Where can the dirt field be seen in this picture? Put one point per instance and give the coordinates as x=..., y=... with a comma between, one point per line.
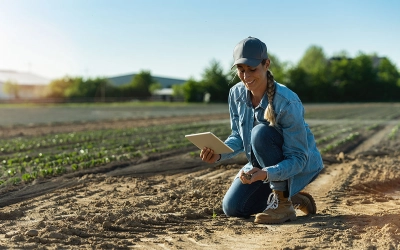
x=173, y=201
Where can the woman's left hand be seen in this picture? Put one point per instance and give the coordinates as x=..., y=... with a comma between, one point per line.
x=255, y=174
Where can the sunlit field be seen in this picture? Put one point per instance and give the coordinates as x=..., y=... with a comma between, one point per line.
x=123, y=176
x=336, y=127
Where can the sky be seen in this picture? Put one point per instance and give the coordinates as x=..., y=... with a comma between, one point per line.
x=180, y=38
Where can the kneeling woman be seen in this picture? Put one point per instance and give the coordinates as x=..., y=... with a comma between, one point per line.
x=267, y=122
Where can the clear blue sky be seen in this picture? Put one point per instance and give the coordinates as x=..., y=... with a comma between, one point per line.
x=179, y=38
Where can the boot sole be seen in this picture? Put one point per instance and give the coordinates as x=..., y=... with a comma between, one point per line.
x=291, y=218
x=309, y=196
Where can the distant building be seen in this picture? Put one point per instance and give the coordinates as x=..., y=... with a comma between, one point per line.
x=30, y=86
x=164, y=81
x=164, y=94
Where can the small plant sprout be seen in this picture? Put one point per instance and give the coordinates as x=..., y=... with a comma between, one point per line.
x=11, y=172
x=27, y=177
x=393, y=132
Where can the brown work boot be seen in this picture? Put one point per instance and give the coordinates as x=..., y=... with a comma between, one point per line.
x=279, y=210
x=305, y=202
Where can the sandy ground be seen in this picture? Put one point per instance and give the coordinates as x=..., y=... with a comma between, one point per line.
x=173, y=201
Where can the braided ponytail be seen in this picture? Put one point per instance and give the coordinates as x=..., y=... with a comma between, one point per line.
x=269, y=114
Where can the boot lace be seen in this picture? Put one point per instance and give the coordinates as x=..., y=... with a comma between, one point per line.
x=272, y=202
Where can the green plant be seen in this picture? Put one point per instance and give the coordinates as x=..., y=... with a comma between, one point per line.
x=60, y=170
x=74, y=167
x=15, y=180
x=393, y=132
x=194, y=154
x=49, y=171
x=214, y=215
x=43, y=172
x=373, y=127
x=11, y=172
x=22, y=169
x=27, y=177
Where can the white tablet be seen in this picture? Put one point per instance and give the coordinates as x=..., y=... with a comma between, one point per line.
x=209, y=140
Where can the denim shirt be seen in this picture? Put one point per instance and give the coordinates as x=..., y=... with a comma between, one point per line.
x=302, y=160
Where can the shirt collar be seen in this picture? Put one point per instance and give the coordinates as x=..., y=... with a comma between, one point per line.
x=264, y=101
x=245, y=97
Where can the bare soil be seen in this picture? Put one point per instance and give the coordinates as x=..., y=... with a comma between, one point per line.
x=173, y=201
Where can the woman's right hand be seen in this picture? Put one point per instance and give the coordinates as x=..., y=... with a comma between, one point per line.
x=207, y=155
x=255, y=174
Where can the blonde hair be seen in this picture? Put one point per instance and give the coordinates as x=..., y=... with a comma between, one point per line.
x=269, y=114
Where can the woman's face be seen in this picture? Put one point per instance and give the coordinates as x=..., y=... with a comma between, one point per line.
x=255, y=78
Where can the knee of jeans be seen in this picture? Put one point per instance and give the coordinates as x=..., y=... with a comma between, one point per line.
x=259, y=136
x=230, y=207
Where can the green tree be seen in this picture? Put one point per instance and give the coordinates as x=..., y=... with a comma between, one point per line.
x=58, y=87
x=298, y=81
x=215, y=82
x=177, y=90
x=341, y=54
x=11, y=88
x=141, y=83
x=155, y=86
x=356, y=79
x=314, y=63
x=364, y=86
x=89, y=88
x=313, y=60
x=340, y=78
x=388, y=78
x=77, y=87
x=192, y=91
x=279, y=69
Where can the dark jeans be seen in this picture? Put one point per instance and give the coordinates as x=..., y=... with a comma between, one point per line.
x=243, y=200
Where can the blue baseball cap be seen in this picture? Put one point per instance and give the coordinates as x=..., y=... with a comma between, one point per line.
x=250, y=51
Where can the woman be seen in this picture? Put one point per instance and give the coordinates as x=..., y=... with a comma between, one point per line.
x=267, y=122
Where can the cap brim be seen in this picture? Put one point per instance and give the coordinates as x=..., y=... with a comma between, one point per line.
x=247, y=61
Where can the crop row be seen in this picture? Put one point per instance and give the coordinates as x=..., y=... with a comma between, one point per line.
x=331, y=137
x=25, y=159
x=394, y=132
x=354, y=112
x=66, y=140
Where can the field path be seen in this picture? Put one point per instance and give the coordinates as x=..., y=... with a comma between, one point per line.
x=371, y=143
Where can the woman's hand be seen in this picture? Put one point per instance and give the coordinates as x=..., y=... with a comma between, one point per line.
x=255, y=174
x=207, y=155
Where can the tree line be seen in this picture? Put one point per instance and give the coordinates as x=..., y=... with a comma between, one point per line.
x=315, y=78
x=78, y=88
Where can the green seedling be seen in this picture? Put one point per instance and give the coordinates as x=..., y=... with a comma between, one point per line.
x=27, y=177
x=393, y=133
x=74, y=167
x=11, y=172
